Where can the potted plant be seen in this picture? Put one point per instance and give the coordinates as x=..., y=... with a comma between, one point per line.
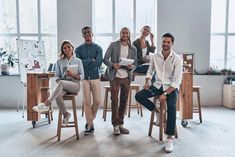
x=229, y=72
x=7, y=60
x=224, y=71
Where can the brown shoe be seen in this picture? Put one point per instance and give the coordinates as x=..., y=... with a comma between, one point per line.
x=123, y=130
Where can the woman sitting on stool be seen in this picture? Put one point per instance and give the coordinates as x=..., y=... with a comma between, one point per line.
x=68, y=80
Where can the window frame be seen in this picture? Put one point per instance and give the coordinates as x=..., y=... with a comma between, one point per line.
x=19, y=35
x=226, y=34
x=113, y=34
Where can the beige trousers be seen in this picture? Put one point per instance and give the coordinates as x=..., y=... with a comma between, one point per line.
x=60, y=90
x=91, y=87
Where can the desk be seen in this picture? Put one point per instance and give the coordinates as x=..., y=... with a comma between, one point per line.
x=37, y=91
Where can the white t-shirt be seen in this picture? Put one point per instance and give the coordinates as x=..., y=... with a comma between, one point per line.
x=122, y=73
x=144, y=51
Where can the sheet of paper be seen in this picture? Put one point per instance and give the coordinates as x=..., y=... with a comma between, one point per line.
x=189, y=57
x=126, y=62
x=73, y=68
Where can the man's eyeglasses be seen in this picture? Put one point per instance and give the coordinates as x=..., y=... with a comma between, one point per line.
x=86, y=32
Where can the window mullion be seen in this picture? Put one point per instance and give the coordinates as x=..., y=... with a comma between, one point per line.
x=18, y=19
x=39, y=20
x=113, y=19
x=134, y=19
x=18, y=26
x=226, y=35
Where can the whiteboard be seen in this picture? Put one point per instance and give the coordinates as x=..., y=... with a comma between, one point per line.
x=32, y=57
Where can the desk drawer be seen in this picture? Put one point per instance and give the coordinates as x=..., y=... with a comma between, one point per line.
x=232, y=88
x=233, y=100
x=233, y=93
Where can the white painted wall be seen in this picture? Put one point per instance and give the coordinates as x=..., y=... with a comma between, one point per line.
x=188, y=20
x=72, y=16
x=11, y=91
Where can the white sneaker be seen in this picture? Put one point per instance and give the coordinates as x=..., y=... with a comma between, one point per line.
x=169, y=146
x=41, y=108
x=66, y=119
x=116, y=130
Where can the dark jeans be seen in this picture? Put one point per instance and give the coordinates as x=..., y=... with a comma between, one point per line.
x=118, y=111
x=143, y=98
x=142, y=69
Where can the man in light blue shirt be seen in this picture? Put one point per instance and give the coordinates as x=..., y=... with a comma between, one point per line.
x=91, y=55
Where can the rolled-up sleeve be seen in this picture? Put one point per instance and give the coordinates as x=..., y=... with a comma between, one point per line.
x=151, y=67
x=177, y=77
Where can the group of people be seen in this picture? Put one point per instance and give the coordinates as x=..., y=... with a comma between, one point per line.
x=163, y=71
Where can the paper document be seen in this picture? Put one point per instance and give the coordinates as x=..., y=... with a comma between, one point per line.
x=125, y=62
x=73, y=68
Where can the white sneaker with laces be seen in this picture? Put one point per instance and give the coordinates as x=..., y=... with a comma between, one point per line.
x=116, y=130
x=169, y=146
x=66, y=119
x=41, y=108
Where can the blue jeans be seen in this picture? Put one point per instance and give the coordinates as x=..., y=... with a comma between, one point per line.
x=143, y=98
x=142, y=69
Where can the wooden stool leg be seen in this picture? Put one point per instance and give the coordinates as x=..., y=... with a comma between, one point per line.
x=59, y=125
x=199, y=105
x=51, y=114
x=49, y=117
x=105, y=104
x=161, y=121
x=139, y=105
x=151, y=123
x=129, y=108
x=75, y=117
x=83, y=108
x=176, y=132
x=138, y=108
x=141, y=110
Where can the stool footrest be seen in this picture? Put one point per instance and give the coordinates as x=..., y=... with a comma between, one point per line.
x=68, y=126
x=156, y=124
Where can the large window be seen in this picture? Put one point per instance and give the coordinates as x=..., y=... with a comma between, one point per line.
x=109, y=16
x=223, y=34
x=28, y=19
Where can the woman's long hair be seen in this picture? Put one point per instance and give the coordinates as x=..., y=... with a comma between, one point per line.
x=62, y=54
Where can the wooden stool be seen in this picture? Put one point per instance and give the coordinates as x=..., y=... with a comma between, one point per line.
x=162, y=120
x=198, y=108
x=136, y=88
x=106, y=96
x=44, y=95
x=71, y=124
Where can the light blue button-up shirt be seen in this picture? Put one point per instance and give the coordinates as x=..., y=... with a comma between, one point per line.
x=61, y=67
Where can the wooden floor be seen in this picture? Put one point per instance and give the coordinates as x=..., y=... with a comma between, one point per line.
x=215, y=137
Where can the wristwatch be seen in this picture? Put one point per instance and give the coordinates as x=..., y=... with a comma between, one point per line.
x=165, y=93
